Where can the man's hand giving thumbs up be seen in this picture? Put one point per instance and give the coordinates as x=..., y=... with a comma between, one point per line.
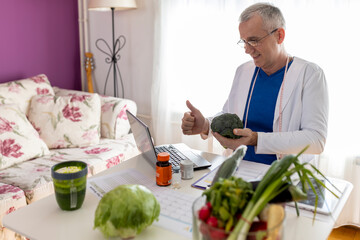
x=193, y=122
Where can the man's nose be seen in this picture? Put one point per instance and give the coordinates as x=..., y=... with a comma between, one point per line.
x=248, y=48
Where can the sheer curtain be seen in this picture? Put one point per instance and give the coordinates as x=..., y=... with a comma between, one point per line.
x=196, y=56
x=195, y=59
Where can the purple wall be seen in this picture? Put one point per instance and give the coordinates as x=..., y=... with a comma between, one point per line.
x=40, y=36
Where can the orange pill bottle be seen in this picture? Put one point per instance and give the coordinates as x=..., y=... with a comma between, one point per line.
x=163, y=169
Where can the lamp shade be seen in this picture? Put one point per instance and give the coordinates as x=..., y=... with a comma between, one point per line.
x=107, y=4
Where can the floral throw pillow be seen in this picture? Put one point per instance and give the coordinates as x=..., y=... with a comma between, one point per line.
x=21, y=91
x=19, y=141
x=114, y=122
x=66, y=121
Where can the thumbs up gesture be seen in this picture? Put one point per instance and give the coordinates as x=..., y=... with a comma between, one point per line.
x=193, y=122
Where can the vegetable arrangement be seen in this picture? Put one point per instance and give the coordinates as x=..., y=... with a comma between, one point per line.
x=226, y=199
x=233, y=204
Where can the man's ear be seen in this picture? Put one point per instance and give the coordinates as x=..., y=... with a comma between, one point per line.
x=280, y=35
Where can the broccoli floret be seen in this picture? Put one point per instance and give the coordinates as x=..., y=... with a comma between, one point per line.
x=225, y=123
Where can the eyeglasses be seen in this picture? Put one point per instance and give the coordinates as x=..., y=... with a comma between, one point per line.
x=254, y=43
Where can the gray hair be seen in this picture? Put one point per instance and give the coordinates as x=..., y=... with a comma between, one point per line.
x=271, y=15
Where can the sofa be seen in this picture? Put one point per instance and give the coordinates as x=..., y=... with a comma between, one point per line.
x=41, y=125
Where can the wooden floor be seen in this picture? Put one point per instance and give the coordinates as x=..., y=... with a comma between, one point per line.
x=345, y=233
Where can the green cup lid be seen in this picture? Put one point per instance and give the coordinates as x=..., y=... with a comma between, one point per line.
x=69, y=170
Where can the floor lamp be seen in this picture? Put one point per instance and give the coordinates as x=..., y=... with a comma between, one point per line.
x=117, y=44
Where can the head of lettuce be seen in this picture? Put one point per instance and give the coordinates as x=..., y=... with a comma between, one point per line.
x=126, y=211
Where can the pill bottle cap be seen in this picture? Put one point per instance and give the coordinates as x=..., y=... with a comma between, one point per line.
x=186, y=162
x=163, y=157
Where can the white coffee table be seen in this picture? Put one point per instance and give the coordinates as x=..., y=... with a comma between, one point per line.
x=44, y=220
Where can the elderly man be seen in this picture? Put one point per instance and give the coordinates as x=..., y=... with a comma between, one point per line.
x=282, y=99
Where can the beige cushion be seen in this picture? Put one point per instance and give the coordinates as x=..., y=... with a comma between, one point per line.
x=19, y=141
x=67, y=121
x=20, y=92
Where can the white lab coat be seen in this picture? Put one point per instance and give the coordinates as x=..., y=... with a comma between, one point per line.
x=305, y=109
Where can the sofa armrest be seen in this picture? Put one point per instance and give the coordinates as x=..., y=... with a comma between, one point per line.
x=114, y=122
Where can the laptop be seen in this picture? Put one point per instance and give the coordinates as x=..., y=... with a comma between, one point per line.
x=177, y=153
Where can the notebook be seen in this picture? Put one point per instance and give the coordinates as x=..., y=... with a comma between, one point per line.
x=177, y=153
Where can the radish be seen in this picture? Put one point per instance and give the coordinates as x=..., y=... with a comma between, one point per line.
x=218, y=234
x=212, y=221
x=204, y=213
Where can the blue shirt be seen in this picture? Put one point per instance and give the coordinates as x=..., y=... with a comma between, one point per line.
x=262, y=109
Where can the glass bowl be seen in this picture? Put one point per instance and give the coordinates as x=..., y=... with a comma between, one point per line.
x=273, y=231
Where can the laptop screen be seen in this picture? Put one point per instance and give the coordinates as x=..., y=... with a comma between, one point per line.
x=142, y=138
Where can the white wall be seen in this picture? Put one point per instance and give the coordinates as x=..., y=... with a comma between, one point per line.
x=136, y=62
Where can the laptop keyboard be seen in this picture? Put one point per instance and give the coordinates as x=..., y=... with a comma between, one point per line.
x=175, y=155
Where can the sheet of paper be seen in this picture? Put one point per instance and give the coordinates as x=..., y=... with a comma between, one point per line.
x=175, y=213
x=249, y=171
